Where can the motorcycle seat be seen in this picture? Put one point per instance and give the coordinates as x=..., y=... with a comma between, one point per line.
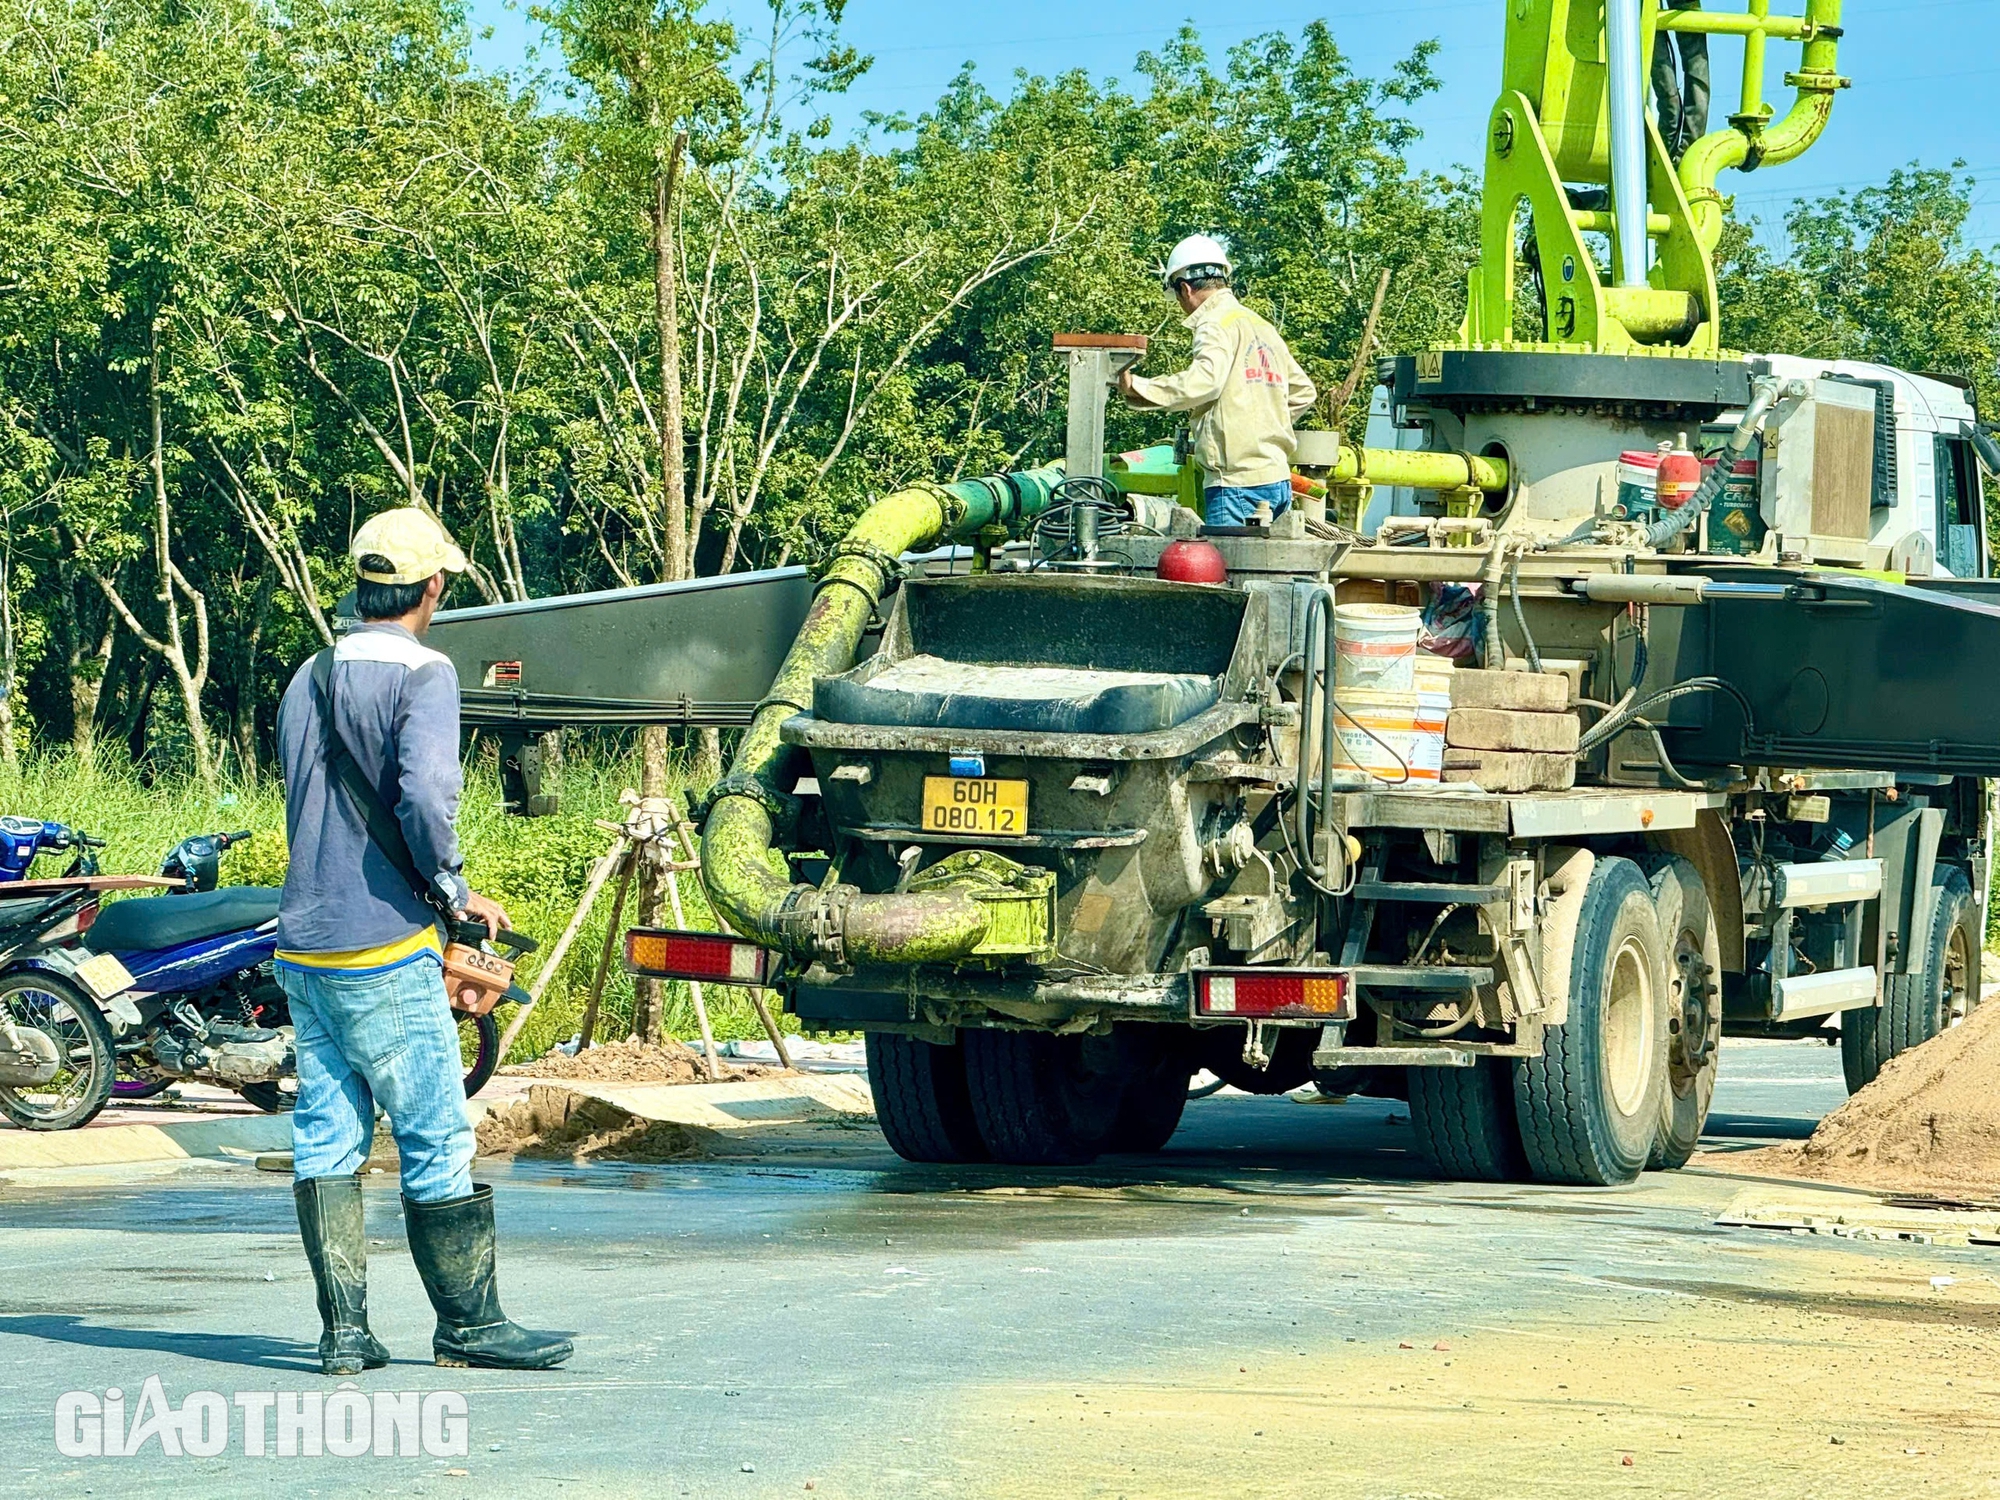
x=150, y=923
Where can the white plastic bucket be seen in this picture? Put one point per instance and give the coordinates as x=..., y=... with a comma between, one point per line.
x=1432, y=674
x=1433, y=682
x=1376, y=732
x=1375, y=647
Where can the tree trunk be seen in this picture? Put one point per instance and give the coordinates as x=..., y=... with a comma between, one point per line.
x=707, y=758
x=9, y=752
x=667, y=318
x=649, y=995
x=87, y=674
x=169, y=644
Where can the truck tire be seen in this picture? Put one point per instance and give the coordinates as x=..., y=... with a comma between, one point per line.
x=1917, y=1006
x=1589, y=1106
x=1156, y=1090
x=921, y=1100
x=1694, y=1005
x=1465, y=1123
x=1042, y=1100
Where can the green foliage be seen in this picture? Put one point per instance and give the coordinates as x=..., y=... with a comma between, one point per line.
x=346, y=270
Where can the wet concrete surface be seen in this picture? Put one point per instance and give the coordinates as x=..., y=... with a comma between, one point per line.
x=843, y=1320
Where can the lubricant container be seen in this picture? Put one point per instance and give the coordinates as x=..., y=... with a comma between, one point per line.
x=1638, y=483
x=1736, y=519
x=1375, y=647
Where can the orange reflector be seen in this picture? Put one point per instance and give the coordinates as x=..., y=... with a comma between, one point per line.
x=659, y=953
x=1274, y=994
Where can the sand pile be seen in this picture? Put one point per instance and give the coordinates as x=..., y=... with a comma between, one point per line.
x=629, y=1061
x=554, y=1123
x=1929, y=1124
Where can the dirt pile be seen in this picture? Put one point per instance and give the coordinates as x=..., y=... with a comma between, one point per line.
x=629, y=1061
x=553, y=1123
x=1929, y=1124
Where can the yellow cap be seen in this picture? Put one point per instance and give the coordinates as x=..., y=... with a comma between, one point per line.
x=403, y=546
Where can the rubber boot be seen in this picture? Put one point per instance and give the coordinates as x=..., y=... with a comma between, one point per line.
x=337, y=1248
x=452, y=1245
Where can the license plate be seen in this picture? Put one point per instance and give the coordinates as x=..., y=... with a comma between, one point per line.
x=975, y=805
x=104, y=976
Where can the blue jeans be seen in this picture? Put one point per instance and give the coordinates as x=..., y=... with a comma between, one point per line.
x=388, y=1036
x=1234, y=505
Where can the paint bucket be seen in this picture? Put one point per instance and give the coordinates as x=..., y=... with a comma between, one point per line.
x=1638, y=483
x=1375, y=647
x=1376, y=732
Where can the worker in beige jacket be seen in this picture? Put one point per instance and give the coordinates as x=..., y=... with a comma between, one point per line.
x=1243, y=388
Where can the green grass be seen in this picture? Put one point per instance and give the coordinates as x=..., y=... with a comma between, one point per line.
x=535, y=867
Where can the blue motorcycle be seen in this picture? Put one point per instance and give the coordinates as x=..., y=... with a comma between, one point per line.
x=200, y=960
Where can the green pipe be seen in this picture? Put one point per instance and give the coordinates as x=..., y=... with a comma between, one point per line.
x=1712, y=23
x=1748, y=144
x=746, y=877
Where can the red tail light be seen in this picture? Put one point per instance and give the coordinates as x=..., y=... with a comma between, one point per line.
x=659, y=953
x=1274, y=994
x=85, y=917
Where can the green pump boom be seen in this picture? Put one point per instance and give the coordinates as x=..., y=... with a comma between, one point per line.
x=1551, y=132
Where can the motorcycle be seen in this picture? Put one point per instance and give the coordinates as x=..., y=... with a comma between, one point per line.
x=60, y=1009
x=201, y=961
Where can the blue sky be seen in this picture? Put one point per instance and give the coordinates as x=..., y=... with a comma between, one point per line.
x=1925, y=71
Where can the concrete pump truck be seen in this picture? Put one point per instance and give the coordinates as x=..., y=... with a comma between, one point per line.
x=1692, y=747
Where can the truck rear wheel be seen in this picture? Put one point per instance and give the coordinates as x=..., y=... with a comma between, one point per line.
x=1694, y=1006
x=1042, y=1100
x=921, y=1100
x=1589, y=1106
x=1156, y=1090
x=1917, y=1006
x=1464, y=1121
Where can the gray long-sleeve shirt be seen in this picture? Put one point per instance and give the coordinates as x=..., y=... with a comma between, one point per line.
x=397, y=702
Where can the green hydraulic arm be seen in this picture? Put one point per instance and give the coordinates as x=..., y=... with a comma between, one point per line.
x=1550, y=143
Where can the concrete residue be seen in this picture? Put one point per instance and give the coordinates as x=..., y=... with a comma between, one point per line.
x=1929, y=1124
x=554, y=1122
x=630, y=1061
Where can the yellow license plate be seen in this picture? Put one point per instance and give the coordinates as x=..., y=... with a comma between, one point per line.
x=105, y=976
x=975, y=805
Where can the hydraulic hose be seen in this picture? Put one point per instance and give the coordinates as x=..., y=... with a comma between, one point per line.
x=745, y=875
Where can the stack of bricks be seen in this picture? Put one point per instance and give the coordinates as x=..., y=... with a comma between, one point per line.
x=1511, y=732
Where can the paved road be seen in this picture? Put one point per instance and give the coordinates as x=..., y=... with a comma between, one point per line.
x=1280, y=1304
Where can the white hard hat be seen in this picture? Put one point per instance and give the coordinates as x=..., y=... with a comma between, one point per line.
x=1197, y=253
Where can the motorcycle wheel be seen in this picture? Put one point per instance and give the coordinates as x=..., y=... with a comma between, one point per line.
x=128, y=1087
x=479, y=1049
x=58, y=1009
x=274, y=1098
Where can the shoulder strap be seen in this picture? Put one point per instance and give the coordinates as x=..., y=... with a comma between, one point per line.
x=383, y=829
